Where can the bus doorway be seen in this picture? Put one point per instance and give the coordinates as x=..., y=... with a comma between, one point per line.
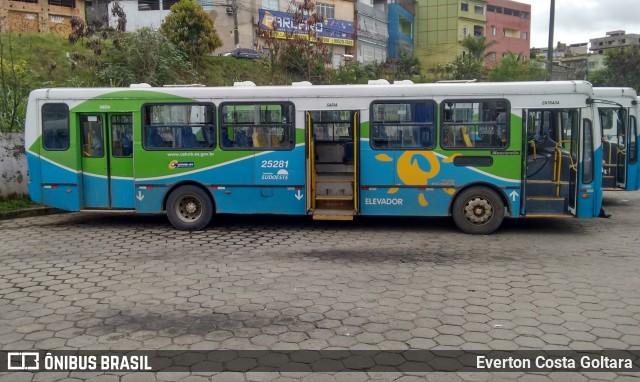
x=551, y=163
x=107, y=160
x=332, y=174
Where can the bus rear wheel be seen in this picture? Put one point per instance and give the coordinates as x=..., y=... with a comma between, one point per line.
x=189, y=208
x=478, y=211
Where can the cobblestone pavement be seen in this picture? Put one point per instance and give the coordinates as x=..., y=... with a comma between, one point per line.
x=88, y=281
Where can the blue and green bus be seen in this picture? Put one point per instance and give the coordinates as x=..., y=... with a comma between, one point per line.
x=478, y=152
x=618, y=114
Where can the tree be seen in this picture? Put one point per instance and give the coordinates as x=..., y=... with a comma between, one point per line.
x=477, y=46
x=300, y=51
x=190, y=28
x=147, y=56
x=622, y=67
x=512, y=69
x=470, y=65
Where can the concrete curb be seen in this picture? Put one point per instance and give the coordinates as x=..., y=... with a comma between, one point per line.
x=29, y=212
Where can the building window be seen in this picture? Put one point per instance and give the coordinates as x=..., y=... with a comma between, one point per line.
x=403, y=125
x=525, y=35
x=479, y=9
x=464, y=7
x=494, y=31
x=148, y=5
x=207, y=5
x=63, y=3
x=478, y=30
x=178, y=127
x=166, y=4
x=271, y=5
x=259, y=126
x=474, y=124
x=328, y=11
x=405, y=27
x=27, y=1
x=492, y=56
x=465, y=31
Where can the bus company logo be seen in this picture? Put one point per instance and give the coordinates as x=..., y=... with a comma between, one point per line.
x=551, y=102
x=23, y=361
x=175, y=164
x=282, y=174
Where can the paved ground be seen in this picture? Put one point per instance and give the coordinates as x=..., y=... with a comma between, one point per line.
x=84, y=281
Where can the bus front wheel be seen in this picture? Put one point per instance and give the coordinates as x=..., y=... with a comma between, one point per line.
x=478, y=211
x=189, y=208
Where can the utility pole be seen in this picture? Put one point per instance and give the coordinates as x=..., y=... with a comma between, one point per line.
x=236, y=38
x=552, y=14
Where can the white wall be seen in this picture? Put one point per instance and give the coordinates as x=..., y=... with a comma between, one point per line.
x=13, y=165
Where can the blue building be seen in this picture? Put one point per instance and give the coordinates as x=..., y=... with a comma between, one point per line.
x=401, y=27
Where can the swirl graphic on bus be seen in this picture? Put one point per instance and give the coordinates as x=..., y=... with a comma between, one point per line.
x=414, y=169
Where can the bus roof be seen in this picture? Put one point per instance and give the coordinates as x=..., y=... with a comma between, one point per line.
x=626, y=97
x=402, y=89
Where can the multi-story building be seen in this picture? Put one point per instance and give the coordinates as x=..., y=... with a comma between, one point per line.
x=401, y=27
x=509, y=25
x=614, y=39
x=442, y=24
x=244, y=17
x=46, y=16
x=336, y=28
x=373, y=31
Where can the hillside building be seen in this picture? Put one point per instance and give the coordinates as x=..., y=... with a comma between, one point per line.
x=44, y=16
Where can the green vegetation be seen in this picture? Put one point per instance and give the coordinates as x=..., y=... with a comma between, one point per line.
x=191, y=29
x=512, y=69
x=622, y=69
x=15, y=204
x=159, y=63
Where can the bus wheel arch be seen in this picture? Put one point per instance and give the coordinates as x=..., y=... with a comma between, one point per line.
x=479, y=209
x=189, y=206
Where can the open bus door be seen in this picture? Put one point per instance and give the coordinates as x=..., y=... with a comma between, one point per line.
x=106, y=141
x=332, y=164
x=550, y=167
x=633, y=178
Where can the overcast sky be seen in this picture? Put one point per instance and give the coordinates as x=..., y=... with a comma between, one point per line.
x=580, y=20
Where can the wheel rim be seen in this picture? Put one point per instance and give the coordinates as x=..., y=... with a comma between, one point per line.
x=478, y=210
x=188, y=208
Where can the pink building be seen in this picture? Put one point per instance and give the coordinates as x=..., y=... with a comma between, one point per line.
x=508, y=23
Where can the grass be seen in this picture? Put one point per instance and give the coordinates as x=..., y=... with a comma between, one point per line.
x=15, y=204
x=52, y=60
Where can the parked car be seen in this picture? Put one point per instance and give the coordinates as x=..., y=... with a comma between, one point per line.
x=243, y=53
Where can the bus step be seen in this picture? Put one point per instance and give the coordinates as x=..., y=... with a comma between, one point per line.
x=336, y=198
x=331, y=214
x=544, y=187
x=546, y=205
x=608, y=181
x=335, y=189
x=334, y=177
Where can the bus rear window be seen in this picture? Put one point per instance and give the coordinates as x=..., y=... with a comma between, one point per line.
x=55, y=126
x=178, y=127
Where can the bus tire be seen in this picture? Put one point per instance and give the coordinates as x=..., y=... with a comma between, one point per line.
x=189, y=208
x=478, y=211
